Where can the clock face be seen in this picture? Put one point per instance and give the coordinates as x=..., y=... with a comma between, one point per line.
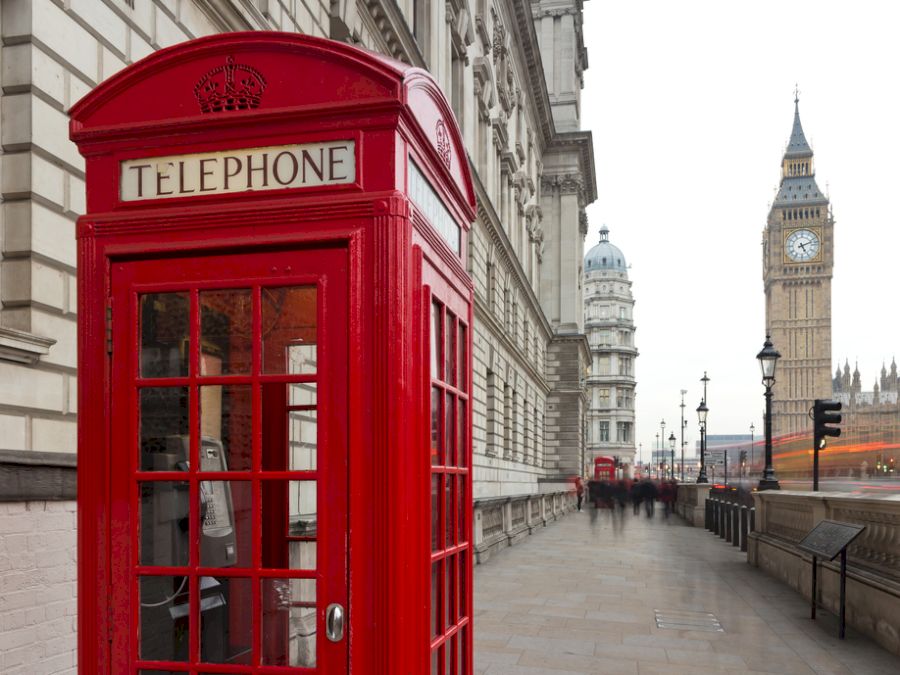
x=802, y=245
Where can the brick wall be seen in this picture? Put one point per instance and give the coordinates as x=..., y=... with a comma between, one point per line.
x=37, y=588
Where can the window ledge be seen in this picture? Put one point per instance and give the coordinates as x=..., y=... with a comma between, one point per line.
x=22, y=347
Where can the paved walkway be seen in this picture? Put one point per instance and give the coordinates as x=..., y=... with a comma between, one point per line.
x=577, y=599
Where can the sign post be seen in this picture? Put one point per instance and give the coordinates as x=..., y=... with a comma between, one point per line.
x=826, y=540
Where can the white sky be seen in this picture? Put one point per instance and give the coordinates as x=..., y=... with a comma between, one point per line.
x=691, y=105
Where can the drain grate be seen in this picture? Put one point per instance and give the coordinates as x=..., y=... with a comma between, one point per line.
x=676, y=619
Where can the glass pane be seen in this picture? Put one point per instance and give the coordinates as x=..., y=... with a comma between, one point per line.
x=461, y=576
x=289, y=330
x=164, y=334
x=226, y=331
x=226, y=632
x=226, y=507
x=226, y=427
x=302, y=440
x=164, y=523
x=435, y=598
x=289, y=622
x=449, y=428
x=462, y=664
x=461, y=364
x=453, y=655
x=289, y=436
x=462, y=456
x=302, y=393
x=448, y=511
x=436, y=341
x=462, y=509
x=289, y=511
x=436, y=456
x=303, y=555
x=450, y=351
x=449, y=591
x=435, y=512
x=164, y=630
x=165, y=442
x=434, y=662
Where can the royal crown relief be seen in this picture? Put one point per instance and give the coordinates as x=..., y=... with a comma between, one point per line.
x=230, y=87
x=233, y=87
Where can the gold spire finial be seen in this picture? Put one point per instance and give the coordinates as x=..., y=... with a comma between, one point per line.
x=796, y=93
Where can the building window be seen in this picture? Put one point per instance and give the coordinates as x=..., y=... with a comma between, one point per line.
x=622, y=313
x=604, y=337
x=604, y=432
x=603, y=398
x=601, y=364
x=623, y=432
x=625, y=366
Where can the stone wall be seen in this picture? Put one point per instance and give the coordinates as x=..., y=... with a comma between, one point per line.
x=504, y=521
x=873, y=569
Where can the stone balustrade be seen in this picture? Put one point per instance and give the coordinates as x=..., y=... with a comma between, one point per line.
x=691, y=502
x=783, y=518
x=503, y=521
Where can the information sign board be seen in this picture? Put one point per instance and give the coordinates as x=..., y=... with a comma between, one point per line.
x=828, y=538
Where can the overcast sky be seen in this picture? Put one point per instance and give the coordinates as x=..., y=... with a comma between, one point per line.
x=691, y=106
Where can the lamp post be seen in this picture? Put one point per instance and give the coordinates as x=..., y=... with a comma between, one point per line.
x=752, y=429
x=652, y=461
x=768, y=357
x=662, y=448
x=683, y=423
x=702, y=411
x=672, y=449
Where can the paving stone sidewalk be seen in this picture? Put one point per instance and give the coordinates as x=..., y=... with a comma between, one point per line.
x=580, y=598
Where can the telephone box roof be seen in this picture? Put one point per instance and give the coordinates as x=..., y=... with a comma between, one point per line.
x=262, y=78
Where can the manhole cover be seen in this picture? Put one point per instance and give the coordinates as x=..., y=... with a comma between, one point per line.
x=675, y=619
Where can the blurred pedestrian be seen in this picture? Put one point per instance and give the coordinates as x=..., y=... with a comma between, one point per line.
x=649, y=493
x=635, y=494
x=579, y=490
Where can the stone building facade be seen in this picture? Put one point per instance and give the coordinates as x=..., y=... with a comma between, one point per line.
x=512, y=70
x=609, y=325
x=798, y=258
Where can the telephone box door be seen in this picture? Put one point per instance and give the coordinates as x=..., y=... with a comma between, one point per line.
x=229, y=490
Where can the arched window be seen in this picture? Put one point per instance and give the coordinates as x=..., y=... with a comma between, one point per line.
x=603, y=261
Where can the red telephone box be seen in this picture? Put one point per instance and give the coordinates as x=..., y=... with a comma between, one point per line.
x=274, y=370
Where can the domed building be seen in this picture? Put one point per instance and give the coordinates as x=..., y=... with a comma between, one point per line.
x=609, y=325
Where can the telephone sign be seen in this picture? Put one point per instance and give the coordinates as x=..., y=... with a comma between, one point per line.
x=275, y=365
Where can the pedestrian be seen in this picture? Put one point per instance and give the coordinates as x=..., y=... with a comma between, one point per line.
x=579, y=490
x=649, y=493
x=635, y=494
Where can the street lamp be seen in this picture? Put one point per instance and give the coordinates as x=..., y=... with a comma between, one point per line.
x=672, y=448
x=683, y=423
x=752, y=429
x=702, y=411
x=662, y=448
x=767, y=360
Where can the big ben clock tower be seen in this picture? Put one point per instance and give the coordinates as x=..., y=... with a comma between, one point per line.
x=798, y=256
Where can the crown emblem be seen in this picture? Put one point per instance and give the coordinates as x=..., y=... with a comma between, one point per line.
x=230, y=87
x=443, y=142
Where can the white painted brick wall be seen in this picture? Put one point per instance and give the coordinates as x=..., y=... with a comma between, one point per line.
x=38, y=602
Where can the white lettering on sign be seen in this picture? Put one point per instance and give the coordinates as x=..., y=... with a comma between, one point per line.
x=432, y=208
x=273, y=168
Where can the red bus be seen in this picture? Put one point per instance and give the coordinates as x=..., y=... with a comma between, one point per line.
x=604, y=468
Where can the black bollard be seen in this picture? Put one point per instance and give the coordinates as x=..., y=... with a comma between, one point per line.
x=736, y=526
x=745, y=522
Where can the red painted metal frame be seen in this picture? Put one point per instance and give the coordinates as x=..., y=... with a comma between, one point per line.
x=315, y=90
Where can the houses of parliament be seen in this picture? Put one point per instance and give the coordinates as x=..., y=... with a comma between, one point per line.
x=798, y=259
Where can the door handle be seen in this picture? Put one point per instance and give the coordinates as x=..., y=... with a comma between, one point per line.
x=334, y=622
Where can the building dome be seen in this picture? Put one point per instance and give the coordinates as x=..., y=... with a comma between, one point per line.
x=605, y=256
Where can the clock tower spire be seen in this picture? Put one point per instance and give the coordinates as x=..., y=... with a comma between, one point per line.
x=798, y=257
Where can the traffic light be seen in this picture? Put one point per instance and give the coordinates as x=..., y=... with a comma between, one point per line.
x=824, y=414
